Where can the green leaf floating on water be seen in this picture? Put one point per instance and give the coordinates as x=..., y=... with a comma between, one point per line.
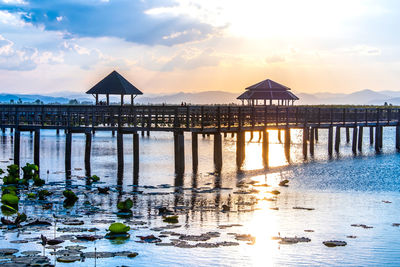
x=125, y=205
x=10, y=199
x=171, y=219
x=9, y=190
x=95, y=178
x=69, y=195
x=8, y=210
x=118, y=228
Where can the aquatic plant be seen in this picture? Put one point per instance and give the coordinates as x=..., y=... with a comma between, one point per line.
x=118, y=228
x=92, y=179
x=8, y=210
x=171, y=219
x=284, y=183
x=275, y=192
x=118, y=231
x=70, y=196
x=31, y=195
x=29, y=171
x=42, y=194
x=12, y=176
x=9, y=190
x=95, y=178
x=10, y=200
x=103, y=190
x=37, y=181
x=125, y=205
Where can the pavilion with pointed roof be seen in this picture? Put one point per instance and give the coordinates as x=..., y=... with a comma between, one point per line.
x=268, y=90
x=114, y=84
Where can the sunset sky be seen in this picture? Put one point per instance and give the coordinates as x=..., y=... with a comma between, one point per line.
x=165, y=46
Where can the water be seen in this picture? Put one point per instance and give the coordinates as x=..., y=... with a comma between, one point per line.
x=343, y=190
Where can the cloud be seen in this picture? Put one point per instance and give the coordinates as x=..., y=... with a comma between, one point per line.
x=125, y=19
x=16, y=59
x=190, y=59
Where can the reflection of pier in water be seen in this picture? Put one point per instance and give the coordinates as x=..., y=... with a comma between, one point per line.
x=204, y=120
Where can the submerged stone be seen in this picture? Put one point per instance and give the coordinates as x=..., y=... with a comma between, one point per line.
x=73, y=222
x=67, y=259
x=302, y=208
x=30, y=252
x=334, y=243
x=362, y=226
x=88, y=237
x=8, y=251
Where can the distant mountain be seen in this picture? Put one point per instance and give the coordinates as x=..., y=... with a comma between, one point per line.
x=209, y=97
x=363, y=97
x=32, y=98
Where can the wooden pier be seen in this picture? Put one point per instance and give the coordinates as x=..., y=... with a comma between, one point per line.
x=206, y=120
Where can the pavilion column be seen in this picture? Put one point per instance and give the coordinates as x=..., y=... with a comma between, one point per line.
x=97, y=99
x=108, y=99
x=122, y=100
x=132, y=100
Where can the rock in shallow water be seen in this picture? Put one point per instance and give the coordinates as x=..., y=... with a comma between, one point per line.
x=68, y=259
x=334, y=243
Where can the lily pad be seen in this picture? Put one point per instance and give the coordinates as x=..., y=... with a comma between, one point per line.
x=118, y=228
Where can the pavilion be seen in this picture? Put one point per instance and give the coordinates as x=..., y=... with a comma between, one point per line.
x=268, y=90
x=114, y=84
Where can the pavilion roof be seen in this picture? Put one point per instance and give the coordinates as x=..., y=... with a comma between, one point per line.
x=268, y=95
x=268, y=85
x=268, y=90
x=114, y=84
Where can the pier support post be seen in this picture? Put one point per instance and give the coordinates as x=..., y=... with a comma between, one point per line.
x=377, y=139
x=279, y=136
x=347, y=135
x=135, y=157
x=36, y=148
x=179, y=152
x=88, y=148
x=265, y=148
x=58, y=132
x=232, y=134
x=287, y=143
x=305, y=133
x=240, y=148
x=225, y=134
x=316, y=134
x=354, y=143
x=68, y=149
x=17, y=144
x=218, y=152
x=251, y=135
x=398, y=137
x=337, y=139
x=120, y=153
x=195, y=152
x=381, y=137
x=360, y=137
x=330, y=140
x=371, y=135
x=312, y=139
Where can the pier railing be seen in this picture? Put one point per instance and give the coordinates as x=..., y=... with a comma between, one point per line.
x=189, y=118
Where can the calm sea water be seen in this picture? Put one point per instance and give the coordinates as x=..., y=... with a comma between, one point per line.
x=343, y=190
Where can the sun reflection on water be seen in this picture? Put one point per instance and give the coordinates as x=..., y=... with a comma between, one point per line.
x=276, y=156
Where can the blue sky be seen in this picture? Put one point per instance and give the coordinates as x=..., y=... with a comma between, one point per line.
x=199, y=45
